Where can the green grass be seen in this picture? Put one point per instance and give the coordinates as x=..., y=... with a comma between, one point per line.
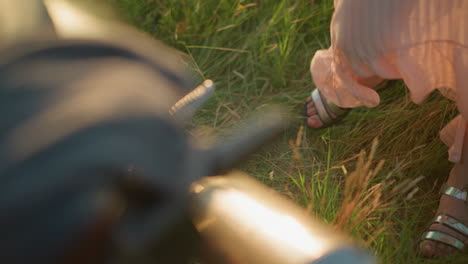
x=258, y=53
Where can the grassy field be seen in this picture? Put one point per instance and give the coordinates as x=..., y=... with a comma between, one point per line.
x=258, y=53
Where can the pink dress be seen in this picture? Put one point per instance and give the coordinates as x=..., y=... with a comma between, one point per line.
x=423, y=42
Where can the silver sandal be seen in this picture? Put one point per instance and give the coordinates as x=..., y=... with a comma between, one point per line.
x=449, y=221
x=328, y=112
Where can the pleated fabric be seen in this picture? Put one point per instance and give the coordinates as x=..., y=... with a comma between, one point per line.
x=423, y=42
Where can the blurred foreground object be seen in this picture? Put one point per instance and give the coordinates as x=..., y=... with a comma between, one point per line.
x=96, y=166
x=250, y=223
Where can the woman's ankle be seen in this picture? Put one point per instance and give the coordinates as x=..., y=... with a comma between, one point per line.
x=458, y=176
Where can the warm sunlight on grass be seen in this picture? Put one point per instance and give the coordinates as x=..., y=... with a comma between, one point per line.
x=258, y=53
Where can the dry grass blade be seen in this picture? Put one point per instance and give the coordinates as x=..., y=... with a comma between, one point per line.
x=365, y=201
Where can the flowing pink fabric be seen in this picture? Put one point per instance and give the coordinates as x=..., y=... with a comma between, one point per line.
x=423, y=42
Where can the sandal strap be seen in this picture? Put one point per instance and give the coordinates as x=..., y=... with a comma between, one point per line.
x=452, y=223
x=336, y=110
x=320, y=107
x=454, y=192
x=444, y=238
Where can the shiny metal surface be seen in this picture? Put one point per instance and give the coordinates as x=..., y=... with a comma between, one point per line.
x=251, y=223
x=188, y=105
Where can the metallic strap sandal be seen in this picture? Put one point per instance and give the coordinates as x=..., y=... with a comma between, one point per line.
x=450, y=222
x=328, y=112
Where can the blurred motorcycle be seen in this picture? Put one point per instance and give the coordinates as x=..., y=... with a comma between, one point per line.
x=96, y=166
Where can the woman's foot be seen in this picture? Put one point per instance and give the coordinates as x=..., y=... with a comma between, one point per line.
x=313, y=120
x=449, y=208
x=320, y=112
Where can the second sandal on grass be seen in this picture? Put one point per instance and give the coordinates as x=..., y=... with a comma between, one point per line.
x=450, y=222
